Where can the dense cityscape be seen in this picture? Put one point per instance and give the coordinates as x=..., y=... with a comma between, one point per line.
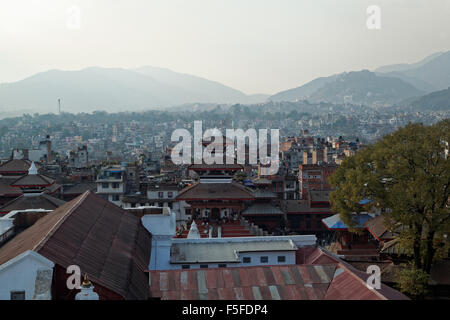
x=328, y=178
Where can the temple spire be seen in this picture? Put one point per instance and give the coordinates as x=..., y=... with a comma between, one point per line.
x=193, y=231
x=32, y=170
x=87, y=290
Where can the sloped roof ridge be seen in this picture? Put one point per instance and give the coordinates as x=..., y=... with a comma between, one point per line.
x=60, y=221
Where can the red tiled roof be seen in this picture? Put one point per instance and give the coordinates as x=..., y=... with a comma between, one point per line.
x=107, y=242
x=15, y=166
x=378, y=229
x=33, y=180
x=222, y=191
x=6, y=189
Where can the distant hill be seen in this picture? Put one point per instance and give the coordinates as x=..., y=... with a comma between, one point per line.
x=360, y=87
x=205, y=90
x=407, y=66
x=303, y=92
x=439, y=100
x=430, y=74
x=115, y=89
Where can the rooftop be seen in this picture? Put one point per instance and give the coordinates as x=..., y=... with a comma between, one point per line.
x=218, y=252
x=23, y=202
x=107, y=242
x=223, y=191
x=322, y=278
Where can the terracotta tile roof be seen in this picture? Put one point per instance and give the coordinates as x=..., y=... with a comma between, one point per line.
x=107, y=242
x=6, y=189
x=23, y=202
x=223, y=191
x=378, y=229
x=16, y=166
x=33, y=180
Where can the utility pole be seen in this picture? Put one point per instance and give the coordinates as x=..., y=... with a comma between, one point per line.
x=59, y=106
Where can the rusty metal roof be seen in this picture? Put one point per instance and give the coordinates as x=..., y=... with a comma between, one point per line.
x=333, y=280
x=107, y=242
x=294, y=282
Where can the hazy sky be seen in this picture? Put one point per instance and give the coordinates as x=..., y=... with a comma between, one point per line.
x=257, y=46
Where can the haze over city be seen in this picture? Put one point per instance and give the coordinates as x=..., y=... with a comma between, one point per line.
x=252, y=46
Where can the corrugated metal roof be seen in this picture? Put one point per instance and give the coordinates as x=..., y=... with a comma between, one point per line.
x=294, y=282
x=332, y=280
x=107, y=242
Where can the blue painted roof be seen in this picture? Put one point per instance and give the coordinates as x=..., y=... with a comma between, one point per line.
x=335, y=221
x=365, y=201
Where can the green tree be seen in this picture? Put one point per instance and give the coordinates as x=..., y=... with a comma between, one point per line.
x=407, y=174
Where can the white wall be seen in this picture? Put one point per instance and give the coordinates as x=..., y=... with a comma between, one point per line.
x=110, y=189
x=163, y=228
x=255, y=260
x=19, y=274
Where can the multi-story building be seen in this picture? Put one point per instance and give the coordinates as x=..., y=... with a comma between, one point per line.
x=314, y=177
x=111, y=183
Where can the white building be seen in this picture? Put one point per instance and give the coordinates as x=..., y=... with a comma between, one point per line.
x=28, y=276
x=163, y=195
x=111, y=183
x=194, y=252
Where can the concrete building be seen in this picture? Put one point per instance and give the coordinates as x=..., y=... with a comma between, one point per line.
x=111, y=183
x=195, y=252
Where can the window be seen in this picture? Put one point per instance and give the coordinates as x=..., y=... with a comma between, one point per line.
x=170, y=194
x=185, y=266
x=105, y=185
x=160, y=194
x=115, y=185
x=264, y=259
x=281, y=258
x=115, y=197
x=222, y=265
x=17, y=295
x=247, y=260
x=204, y=266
